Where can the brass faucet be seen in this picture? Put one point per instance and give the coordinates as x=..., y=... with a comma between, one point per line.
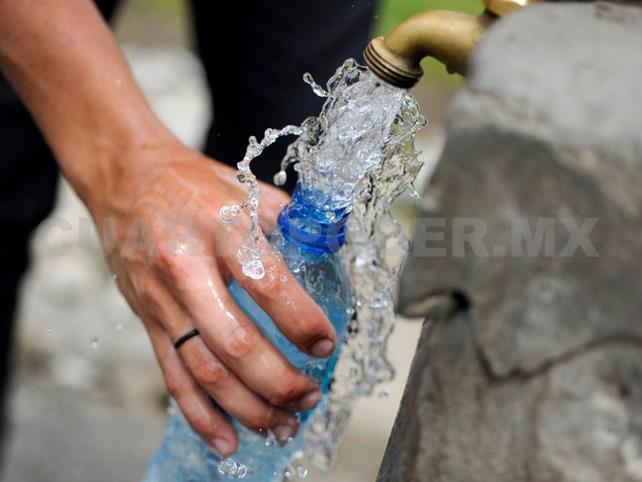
x=448, y=36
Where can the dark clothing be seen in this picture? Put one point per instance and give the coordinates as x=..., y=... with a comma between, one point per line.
x=254, y=52
x=255, y=57
x=28, y=179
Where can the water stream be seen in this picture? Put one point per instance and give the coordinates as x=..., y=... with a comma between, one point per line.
x=358, y=155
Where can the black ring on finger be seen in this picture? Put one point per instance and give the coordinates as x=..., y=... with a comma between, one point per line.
x=191, y=334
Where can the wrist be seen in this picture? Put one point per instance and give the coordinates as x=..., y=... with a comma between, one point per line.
x=108, y=157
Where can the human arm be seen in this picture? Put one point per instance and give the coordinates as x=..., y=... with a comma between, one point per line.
x=131, y=172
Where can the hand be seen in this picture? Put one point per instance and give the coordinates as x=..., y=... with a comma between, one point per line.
x=172, y=257
x=156, y=205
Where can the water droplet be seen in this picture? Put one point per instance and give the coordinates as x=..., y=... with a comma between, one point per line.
x=283, y=278
x=280, y=178
x=49, y=329
x=288, y=474
x=301, y=471
x=115, y=276
x=270, y=440
x=254, y=269
x=316, y=88
x=94, y=343
x=228, y=214
x=250, y=258
x=241, y=472
x=120, y=327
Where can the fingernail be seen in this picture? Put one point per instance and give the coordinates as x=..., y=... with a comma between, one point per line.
x=283, y=433
x=222, y=446
x=322, y=348
x=309, y=400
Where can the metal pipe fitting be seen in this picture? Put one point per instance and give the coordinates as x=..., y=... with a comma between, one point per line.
x=448, y=36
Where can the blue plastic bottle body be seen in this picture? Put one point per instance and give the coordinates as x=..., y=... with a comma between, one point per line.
x=308, y=242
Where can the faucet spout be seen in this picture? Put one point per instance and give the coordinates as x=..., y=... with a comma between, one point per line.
x=448, y=36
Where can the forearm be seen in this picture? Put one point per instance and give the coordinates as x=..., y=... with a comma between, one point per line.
x=68, y=69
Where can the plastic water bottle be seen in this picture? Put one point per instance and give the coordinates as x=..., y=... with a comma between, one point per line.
x=308, y=237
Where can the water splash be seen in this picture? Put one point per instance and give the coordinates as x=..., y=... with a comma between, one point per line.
x=249, y=254
x=342, y=144
x=232, y=469
x=316, y=88
x=359, y=152
x=373, y=255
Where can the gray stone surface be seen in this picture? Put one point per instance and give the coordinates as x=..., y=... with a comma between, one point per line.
x=61, y=436
x=548, y=129
x=537, y=377
x=578, y=420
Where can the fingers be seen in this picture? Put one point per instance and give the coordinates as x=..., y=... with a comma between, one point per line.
x=198, y=409
x=240, y=345
x=237, y=400
x=281, y=296
x=244, y=349
x=212, y=376
x=256, y=369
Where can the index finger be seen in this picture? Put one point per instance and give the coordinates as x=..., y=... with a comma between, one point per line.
x=283, y=298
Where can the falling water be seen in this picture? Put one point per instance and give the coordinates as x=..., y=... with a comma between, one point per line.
x=357, y=154
x=249, y=254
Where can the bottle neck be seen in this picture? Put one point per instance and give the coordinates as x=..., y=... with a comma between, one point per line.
x=315, y=229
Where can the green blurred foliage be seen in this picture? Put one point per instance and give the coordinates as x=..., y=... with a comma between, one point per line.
x=170, y=7
x=393, y=12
